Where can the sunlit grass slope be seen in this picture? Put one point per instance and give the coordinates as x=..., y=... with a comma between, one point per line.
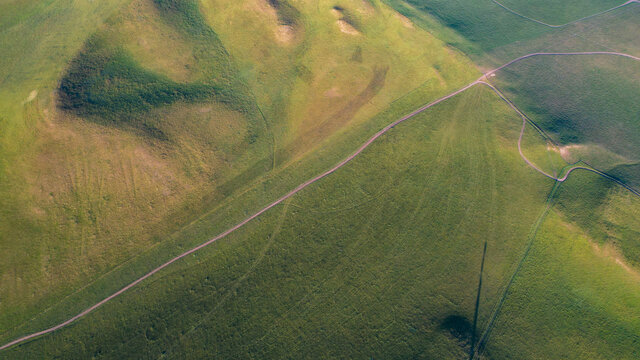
x=381, y=259
x=607, y=213
x=131, y=131
x=123, y=121
x=328, y=65
x=37, y=39
x=576, y=297
x=101, y=164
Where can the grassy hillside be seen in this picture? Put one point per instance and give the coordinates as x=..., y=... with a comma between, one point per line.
x=606, y=213
x=492, y=35
x=485, y=25
x=103, y=166
x=37, y=39
x=358, y=248
x=575, y=297
x=615, y=30
x=591, y=113
x=133, y=130
x=148, y=122
x=559, y=12
x=336, y=65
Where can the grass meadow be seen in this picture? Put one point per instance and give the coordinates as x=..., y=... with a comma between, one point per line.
x=88, y=188
x=591, y=113
x=559, y=13
x=575, y=298
x=304, y=279
x=131, y=131
x=491, y=35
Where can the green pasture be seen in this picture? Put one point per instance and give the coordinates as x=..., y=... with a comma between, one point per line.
x=573, y=299
x=89, y=186
x=491, y=35
x=592, y=113
x=559, y=12
x=132, y=131
x=369, y=269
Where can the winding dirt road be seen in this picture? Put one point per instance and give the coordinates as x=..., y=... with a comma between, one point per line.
x=589, y=53
x=531, y=164
x=563, y=25
x=300, y=187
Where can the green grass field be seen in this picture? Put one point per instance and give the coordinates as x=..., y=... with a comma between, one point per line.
x=591, y=114
x=574, y=298
x=319, y=265
x=559, y=12
x=134, y=130
x=583, y=108
x=491, y=35
x=86, y=190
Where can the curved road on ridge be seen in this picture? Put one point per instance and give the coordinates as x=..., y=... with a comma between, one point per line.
x=563, y=25
x=525, y=119
x=329, y=172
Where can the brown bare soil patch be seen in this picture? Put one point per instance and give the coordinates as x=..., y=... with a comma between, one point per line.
x=332, y=93
x=405, y=20
x=285, y=34
x=347, y=28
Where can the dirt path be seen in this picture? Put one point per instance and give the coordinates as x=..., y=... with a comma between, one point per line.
x=586, y=53
x=302, y=186
x=532, y=165
x=563, y=25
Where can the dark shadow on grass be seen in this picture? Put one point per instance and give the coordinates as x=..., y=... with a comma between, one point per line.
x=477, y=309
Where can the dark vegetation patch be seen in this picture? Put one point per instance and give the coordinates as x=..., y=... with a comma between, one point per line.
x=287, y=13
x=104, y=83
x=108, y=83
x=357, y=55
x=186, y=15
x=459, y=327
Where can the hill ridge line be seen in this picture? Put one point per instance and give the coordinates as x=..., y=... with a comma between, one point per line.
x=562, y=25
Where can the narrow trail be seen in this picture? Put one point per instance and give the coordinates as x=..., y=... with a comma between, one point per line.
x=586, y=53
x=342, y=163
x=481, y=344
x=562, y=25
x=525, y=120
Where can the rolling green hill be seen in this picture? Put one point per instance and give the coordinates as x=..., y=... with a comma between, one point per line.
x=124, y=140
x=131, y=131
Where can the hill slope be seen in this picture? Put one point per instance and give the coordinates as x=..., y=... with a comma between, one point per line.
x=133, y=131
